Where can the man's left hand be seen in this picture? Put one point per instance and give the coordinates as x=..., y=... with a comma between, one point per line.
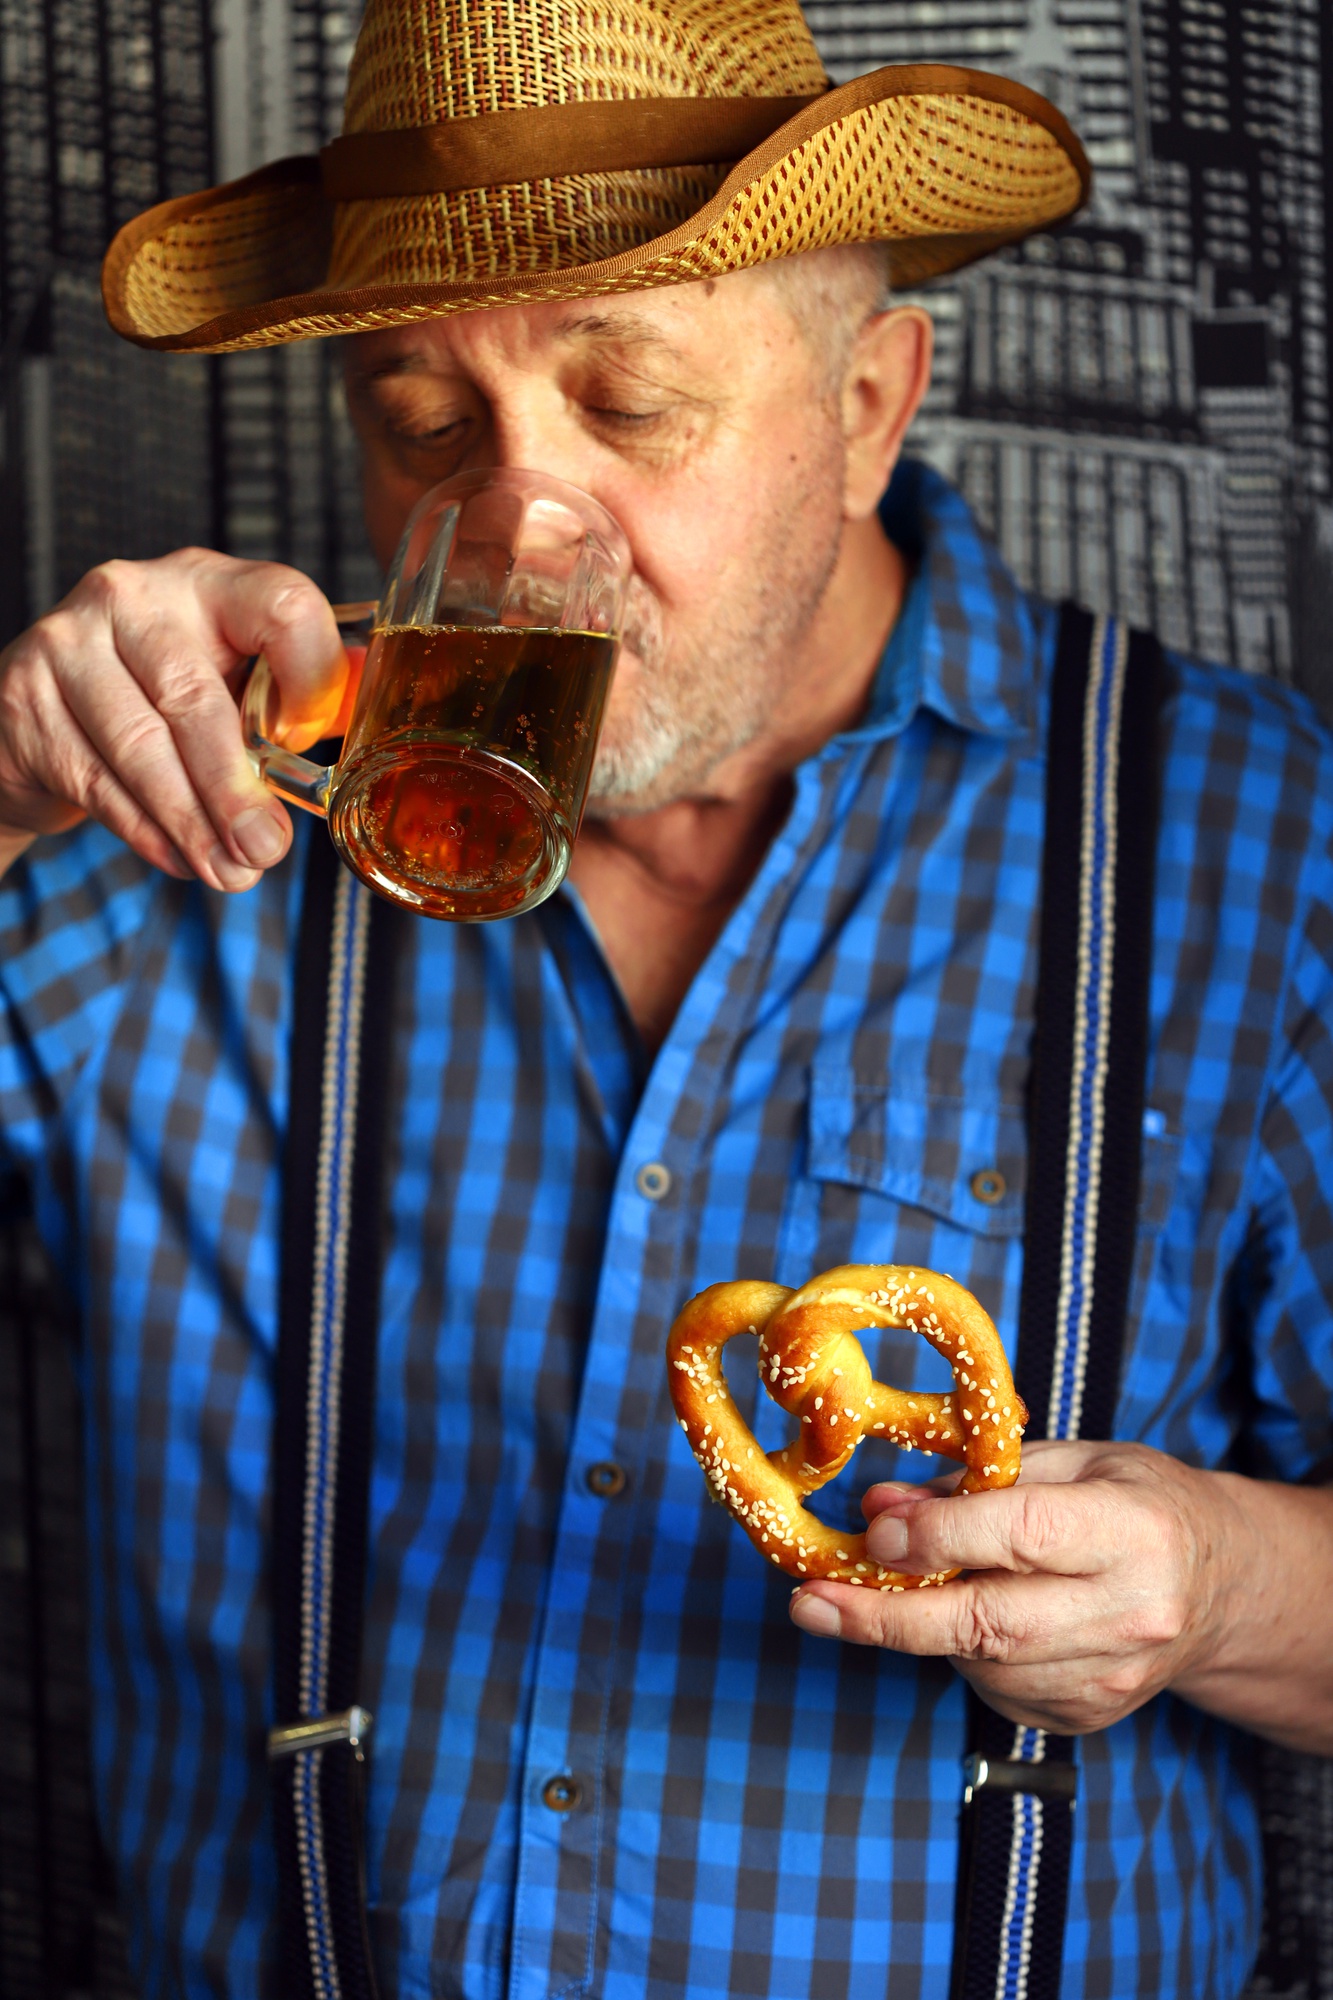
x=1108, y=1573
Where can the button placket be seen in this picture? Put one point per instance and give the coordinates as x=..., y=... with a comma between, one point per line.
x=637, y=1258
x=560, y=1816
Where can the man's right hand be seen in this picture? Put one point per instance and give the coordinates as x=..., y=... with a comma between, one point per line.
x=121, y=705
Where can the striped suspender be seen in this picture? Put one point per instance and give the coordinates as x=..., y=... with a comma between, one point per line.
x=328, y=1312
x=1086, y=1121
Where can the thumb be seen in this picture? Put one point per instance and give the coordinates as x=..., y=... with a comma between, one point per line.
x=269, y=609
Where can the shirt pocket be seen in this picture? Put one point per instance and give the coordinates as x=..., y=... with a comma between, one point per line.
x=962, y=1160
x=902, y=1173
x=899, y=1172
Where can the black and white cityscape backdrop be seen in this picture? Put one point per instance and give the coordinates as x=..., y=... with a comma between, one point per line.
x=1137, y=406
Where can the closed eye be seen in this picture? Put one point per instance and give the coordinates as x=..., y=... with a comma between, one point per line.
x=439, y=434
x=610, y=415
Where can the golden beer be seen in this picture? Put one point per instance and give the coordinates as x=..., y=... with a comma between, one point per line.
x=463, y=773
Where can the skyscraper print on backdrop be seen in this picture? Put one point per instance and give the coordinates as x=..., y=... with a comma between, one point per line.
x=107, y=106
x=1138, y=406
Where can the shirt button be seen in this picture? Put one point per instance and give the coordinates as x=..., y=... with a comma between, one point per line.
x=605, y=1479
x=562, y=1794
x=653, y=1180
x=989, y=1185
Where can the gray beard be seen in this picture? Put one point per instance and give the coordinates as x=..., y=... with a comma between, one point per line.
x=668, y=741
x=692, y=709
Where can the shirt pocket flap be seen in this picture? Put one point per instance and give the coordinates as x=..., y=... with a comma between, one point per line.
x=962, y=1158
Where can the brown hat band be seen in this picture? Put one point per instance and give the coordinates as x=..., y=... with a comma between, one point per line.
x=499, y=148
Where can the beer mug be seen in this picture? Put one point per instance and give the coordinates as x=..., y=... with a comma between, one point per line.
x=485, y=669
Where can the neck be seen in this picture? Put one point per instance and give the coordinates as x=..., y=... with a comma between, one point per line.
x=660, y=885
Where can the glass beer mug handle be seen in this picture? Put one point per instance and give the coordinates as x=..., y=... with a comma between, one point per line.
x=298, y=780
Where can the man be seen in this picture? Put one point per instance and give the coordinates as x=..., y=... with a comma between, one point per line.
x=611, y=1752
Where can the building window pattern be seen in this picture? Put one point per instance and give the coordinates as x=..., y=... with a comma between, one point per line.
x=1168, y=351
x=105, y=107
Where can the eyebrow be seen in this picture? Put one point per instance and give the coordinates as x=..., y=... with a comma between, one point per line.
x=631, y=329
x=414, y=362
x=623, y=329
x=620, y=329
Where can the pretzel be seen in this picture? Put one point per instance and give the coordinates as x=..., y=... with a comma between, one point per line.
x=811, y=1363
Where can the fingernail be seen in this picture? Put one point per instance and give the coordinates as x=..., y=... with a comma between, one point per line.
x=228, y=873
x=886, y=1538
x=817, y=1616
x=259, y=837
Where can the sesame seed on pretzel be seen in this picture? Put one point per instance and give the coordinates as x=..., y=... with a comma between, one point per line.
x=811, y=1363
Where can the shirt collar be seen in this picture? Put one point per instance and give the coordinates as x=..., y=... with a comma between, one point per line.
x=965, y=642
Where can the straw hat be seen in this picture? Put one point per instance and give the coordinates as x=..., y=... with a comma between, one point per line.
x=505, y=151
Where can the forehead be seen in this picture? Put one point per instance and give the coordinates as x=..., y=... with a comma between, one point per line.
x=696, y=326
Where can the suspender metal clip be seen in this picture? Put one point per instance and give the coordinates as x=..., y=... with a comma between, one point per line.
x=350, y=1726
x=1045, y=1781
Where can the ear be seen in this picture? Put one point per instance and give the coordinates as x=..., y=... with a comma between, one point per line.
x=887, y=375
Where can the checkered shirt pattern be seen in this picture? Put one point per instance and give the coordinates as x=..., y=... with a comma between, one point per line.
x=761, y=1814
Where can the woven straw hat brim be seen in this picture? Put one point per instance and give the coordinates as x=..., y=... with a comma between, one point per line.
x=942, y=164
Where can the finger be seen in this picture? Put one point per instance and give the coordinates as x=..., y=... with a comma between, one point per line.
x=1069, y=1699
x=1069, y=1530
x=997, y=1619
x=1045, y=1461
x=270, y=609
x=1072, y=1682
x=122, y=814
x=886, y=1493
x=77, y=774
x=1073, y=1693
x=127, y=736
x=171, y=635
x=72, y=715
x=876, y=1498
x=1048, y=1459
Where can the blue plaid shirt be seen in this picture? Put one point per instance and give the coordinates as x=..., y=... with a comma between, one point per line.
x=761, y=1813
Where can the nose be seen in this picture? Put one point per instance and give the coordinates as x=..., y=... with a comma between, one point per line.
x=534, y=430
